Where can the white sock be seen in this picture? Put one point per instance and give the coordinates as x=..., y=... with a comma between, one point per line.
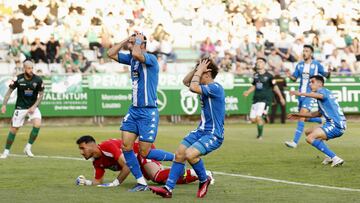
x=141, y=180
x=28, y=146
x=6, y=151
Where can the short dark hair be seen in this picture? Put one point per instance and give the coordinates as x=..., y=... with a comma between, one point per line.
x=86, y=139
x=310, y=47
x=318, y=78
x=261, y=58
x=214, y=68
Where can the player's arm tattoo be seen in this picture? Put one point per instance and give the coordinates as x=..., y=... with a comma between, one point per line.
x=39, y=99
x=187, y=79
x=195, y=83
x=7, y=96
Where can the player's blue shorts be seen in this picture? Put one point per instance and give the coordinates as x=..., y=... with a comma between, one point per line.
x=306, y=102
x=332, y=131
x=203, y=141
x=143, y=122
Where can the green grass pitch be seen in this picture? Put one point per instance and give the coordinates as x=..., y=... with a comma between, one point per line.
x=52, y=179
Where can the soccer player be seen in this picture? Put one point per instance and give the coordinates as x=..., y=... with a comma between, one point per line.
x=143, y=117
x=30, y=92
x=108, y=155
x=304, y=70
x=263, y=84
x=207, y=137
x=334, y=125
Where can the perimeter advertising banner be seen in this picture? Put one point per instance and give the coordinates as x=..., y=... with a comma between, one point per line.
x=110, y=95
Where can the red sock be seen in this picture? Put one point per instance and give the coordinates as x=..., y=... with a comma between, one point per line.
x=161, y=176
x=187, y=179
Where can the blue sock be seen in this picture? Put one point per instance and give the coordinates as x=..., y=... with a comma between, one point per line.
x=199, y=168
x=132, y=163
x=160, y=155
x=320, y=145
x=299, y=131
x=177, y=169
x=315, y=120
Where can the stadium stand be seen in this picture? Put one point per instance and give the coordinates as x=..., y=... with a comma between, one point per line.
x=236, y=31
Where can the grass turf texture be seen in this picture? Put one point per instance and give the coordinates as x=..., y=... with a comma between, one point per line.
x=52, y=180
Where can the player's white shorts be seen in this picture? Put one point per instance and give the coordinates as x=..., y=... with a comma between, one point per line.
x=20, y=115
x=258, y=109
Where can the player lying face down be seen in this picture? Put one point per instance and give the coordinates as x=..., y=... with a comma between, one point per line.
x=108, y=155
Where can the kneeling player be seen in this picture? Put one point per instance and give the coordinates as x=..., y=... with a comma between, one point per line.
x=335, y=124
x=108, y=155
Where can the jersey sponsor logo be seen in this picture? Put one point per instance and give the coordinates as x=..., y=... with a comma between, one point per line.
x=28, y=92
x=259, y=85
x=22, y=84
x=305, y=76
x=135, y=74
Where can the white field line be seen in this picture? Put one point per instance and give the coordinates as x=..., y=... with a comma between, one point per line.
x=224, y=174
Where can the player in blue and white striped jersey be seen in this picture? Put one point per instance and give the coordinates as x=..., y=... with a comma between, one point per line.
x=304, y=70
x=208, y=136
x=143, y=117
x=334, y=125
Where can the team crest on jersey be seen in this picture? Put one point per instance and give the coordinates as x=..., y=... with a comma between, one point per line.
x=34, y=84
x=265, y=78
x=21, y=79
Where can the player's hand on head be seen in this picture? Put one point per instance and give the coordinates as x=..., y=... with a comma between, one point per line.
x=139, y=36
x=203, y=65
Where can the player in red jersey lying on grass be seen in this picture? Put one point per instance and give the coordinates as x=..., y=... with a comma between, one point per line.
x=108, y=155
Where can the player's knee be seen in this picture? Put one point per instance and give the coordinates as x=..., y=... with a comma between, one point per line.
x=144, y=152
x=307, y=132
x=189, y=156
x=253, y=120
x=180, y=156
x=14, y=130
x=126, y=146
x=309, y=138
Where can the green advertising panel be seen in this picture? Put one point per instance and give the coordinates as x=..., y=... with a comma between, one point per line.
x=110, y=95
